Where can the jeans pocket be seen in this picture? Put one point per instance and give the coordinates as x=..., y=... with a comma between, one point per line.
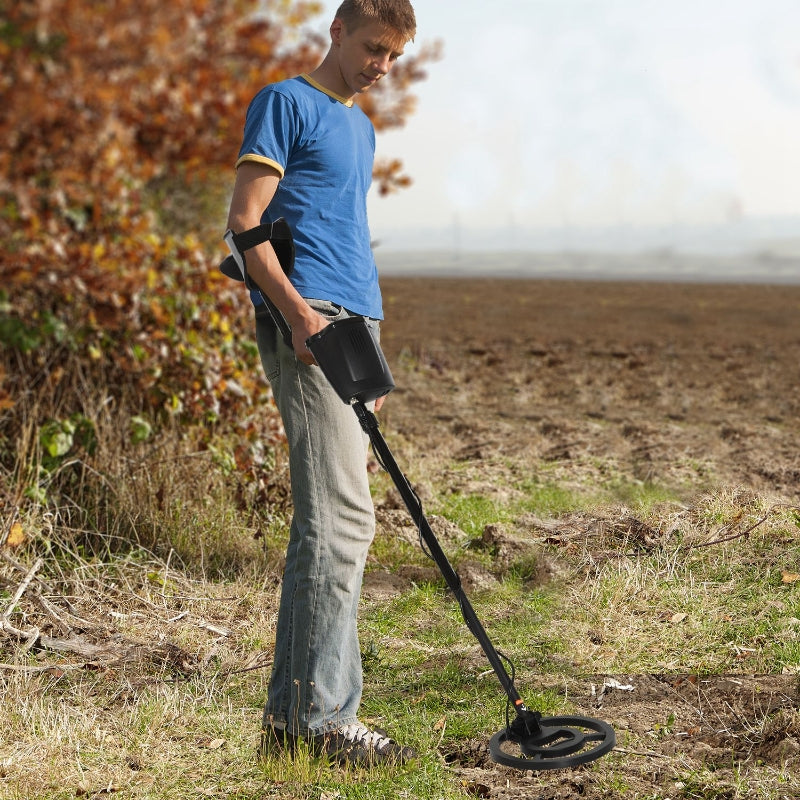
x=325, y=308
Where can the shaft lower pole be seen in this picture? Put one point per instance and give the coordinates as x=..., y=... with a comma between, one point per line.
x=369, y=424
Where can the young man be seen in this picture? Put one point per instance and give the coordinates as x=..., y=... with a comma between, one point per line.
x=307, y=156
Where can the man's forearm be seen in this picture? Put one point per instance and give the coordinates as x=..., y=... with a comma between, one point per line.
x=265, y=270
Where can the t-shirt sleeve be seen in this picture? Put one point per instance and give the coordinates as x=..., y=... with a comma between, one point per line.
x=270, y=130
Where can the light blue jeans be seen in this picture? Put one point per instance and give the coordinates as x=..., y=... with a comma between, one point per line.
x=316, y=681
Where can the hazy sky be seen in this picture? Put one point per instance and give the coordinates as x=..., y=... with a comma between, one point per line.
x=549, y=113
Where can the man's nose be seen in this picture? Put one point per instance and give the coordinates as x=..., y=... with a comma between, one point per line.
x=383, y=64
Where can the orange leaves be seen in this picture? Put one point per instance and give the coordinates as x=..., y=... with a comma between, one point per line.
x=6, y=401
x=138, y=88
x=119, y=122
x=388, y=177
x=16, y=536
x=130, y=88
x=390, y=103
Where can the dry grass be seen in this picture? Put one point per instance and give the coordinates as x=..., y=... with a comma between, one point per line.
x=709, y=588
x=141, y=680
x=147, y=678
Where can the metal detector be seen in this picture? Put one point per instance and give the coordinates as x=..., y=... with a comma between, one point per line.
x=354, y=364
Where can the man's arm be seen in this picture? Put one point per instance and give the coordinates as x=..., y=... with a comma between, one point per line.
x=253, y=191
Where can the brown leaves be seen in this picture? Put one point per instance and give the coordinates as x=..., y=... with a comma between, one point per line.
x=212, y=744
x=120, y=123
x=133, y=90
x=139, y=89
x=388, y=177
x=390, y=103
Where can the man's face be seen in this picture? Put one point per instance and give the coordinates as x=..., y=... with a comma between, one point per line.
x=365, y=54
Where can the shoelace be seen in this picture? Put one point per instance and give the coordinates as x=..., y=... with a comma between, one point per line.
x=356, y=732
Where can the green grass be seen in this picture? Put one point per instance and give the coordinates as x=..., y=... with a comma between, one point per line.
x=472, y=512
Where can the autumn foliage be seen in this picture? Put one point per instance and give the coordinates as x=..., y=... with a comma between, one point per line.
x=120, y=123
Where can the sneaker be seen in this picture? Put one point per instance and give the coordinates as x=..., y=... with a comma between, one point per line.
x=357, y=745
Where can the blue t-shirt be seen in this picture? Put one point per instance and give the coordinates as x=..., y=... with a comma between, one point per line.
x=324, y=147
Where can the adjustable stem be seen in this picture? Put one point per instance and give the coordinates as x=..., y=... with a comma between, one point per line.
x=369, y=423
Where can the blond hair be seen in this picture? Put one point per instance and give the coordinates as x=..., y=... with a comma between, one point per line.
x=395, y=14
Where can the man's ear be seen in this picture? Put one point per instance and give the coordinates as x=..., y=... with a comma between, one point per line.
x=337, y=31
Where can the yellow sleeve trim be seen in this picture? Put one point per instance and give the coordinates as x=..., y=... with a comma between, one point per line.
x=261, y=160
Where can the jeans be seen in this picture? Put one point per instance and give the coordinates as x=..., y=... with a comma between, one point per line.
x=316, y=680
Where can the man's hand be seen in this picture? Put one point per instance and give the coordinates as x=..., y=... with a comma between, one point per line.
x=304, y=327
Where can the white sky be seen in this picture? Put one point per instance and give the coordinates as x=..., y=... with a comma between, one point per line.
x=547, y=113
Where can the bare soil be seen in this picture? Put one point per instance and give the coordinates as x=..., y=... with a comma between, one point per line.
x=692, y=387
x=679, y=384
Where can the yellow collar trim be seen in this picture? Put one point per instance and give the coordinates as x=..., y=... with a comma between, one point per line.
x=343, y=100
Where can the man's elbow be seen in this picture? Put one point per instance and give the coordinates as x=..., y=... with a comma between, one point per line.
x=242, y=219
